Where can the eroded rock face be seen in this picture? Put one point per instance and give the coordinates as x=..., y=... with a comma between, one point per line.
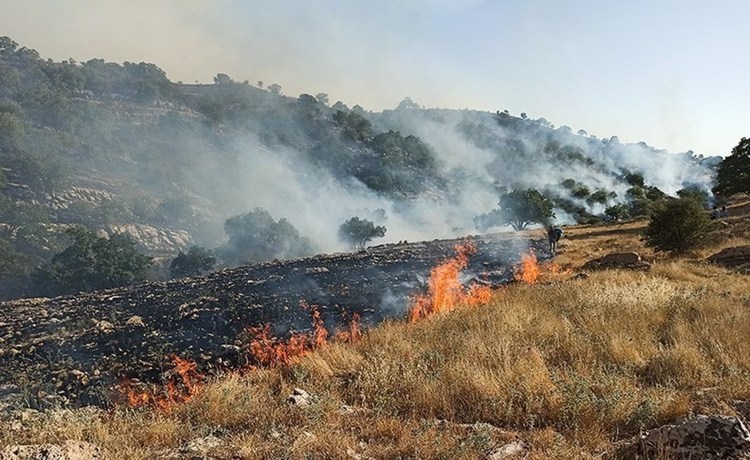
x=734, y=257
x=627, y=260
x=154, y=239
x=76, y=349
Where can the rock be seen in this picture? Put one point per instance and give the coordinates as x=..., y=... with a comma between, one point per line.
x=510, y=450
x=135, y=321
x=104, y=327
x=68, y=450
x=312, y=270
x=300, y=398
x=201, y=445
x=628, y=260
x=737, y=256
x=703, y=436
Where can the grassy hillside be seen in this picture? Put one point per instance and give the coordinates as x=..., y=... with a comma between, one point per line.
x=570, y=365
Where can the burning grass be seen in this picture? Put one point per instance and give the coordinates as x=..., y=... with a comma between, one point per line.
x=569, y=367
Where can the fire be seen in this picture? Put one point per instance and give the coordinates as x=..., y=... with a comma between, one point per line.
x=444, y=289
x=353, y=332
x=265, y=350
x=528, y=270
x=184, y=383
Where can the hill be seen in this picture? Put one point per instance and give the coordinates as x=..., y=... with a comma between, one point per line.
x=577, y=364
x=120, y=148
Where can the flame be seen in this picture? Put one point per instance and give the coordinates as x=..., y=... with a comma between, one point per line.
x=265, y=350
x=528, y=270
x=444, y=289
x=184, y=383
x=352, y=334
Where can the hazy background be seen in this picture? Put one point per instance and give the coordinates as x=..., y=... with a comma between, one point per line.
x=670, y=73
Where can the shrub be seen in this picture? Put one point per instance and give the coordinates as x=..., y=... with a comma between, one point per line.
x=677, y=225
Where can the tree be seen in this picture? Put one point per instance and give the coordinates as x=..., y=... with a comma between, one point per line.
x=696, y=193
x=196, y=262
x=353, y=125
x=358, y=232
x=518, y=209
x=274, y=88
x=256, y=237
x=677, y=225
x=222, y=79
x=92, y=262
x=618, y=212
x=733, y=173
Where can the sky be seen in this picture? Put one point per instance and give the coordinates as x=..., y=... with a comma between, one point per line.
x=671, y=73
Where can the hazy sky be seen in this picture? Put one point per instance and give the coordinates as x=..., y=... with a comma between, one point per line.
x=671, y=73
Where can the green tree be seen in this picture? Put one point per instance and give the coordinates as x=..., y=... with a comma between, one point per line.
x=353, y=125
x=256, y=237
x=677, y=225
x=92, y=262
x=695, y=193
x=518, y=209
x=358, y=232
x=618, y=212
x=196, y=262
x=733, y=173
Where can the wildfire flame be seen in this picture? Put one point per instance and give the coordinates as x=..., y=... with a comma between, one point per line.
x=445, y=290
x=528, y=270
x=353, y=332
x=182, y=386
x=265, y=350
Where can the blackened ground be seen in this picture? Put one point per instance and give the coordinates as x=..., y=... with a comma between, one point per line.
x=74, y=349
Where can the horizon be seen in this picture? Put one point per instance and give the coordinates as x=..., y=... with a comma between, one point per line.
x=666, y=74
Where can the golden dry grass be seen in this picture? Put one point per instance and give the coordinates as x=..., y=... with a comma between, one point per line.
x=569, y=366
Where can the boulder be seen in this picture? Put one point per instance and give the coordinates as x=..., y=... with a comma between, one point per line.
x=737, y=256
x=628, y=260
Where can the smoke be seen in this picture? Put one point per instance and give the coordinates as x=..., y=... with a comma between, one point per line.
x=474, y=153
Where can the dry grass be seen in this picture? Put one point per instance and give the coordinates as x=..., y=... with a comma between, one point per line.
x=568, y=366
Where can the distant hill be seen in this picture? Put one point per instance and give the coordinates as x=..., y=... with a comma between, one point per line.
x=119, y=147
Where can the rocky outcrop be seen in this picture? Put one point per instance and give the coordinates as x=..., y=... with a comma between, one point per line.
x=734, y=257
x=154, y=239
x=627, y=260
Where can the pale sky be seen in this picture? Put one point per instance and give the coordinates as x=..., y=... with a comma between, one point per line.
x=671, y=73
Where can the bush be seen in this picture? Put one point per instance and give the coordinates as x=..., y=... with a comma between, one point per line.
x=197, y=261
x=677, y=225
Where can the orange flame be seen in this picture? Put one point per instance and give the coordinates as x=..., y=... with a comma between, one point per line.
x=444, y=289
x=352, y=334
x=528, y=270
x=184, y=383
x=268, y=351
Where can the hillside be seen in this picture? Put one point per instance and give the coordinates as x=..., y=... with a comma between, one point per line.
x=120, y=148
x=575, y=364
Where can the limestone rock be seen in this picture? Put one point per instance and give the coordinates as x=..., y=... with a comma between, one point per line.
x=511, y=450
x=68, y=450
x=300, y=398
x=628, y=260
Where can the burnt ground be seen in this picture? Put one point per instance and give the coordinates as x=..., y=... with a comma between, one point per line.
x=73, y=350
